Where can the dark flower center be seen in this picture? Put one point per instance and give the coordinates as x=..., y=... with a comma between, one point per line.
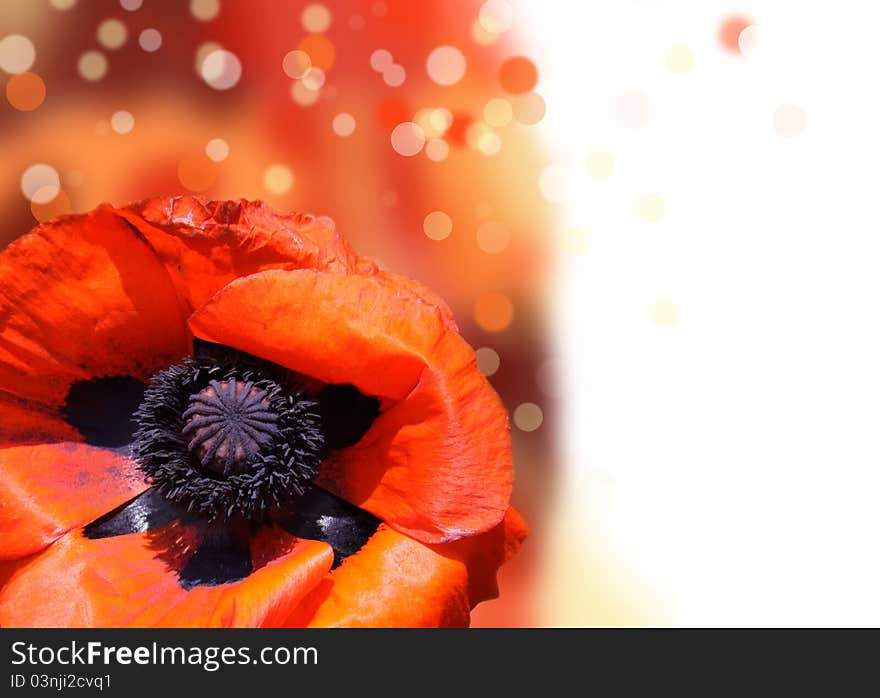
x=229, y=437
x=230, y=444
x=228, y=423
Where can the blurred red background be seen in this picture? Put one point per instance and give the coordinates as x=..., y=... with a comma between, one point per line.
x=411, y=124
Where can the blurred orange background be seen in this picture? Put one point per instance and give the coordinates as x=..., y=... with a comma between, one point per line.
x=410, y=124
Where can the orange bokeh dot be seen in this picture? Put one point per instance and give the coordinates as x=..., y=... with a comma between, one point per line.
x=729, y=31
x=58, y=206
x=320, y=49
x=518, y=74
x=197, y=172
x=493, y=312
x=25, y=91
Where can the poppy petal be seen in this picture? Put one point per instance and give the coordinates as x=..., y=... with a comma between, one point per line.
x=395, y=581
x=84, y=296
x=436, y=464
x=47, y=490
x=205, y=244
x=120, y=582
x=26, y=423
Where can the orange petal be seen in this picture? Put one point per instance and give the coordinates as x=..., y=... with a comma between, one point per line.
x=436, y=464
x=206, y=244
x=396, y=582
x=84, y=296
x=24, y=423
x=120, y=582
x=48, y=490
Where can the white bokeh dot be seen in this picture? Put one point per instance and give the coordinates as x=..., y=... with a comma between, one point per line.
x=381, y=60
x=528, y=416
x=343, y=124
x=446, y=65
x=437, y=225
x=488, y=361
x=789, y=120
x=92, y=66
x=150, y=39
x=407, y=139
x=17, y=53
x=204, y=10
x=437, y=149
x=221, y=69
x=394, y=75
x=496, y=16
x=122, y=122
x=40, y=183
x=217, y=149
x=112, y=34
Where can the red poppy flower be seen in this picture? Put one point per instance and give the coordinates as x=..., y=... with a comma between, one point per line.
x=215, y=415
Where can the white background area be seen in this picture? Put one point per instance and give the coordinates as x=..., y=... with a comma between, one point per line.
x=727, y=465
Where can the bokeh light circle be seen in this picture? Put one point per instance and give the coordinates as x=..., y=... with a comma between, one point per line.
x=555, y=182
x=321, y=50
x=493, y=312
x=437, y=149
x=381, y=60
x=437, y=225
x=493, y=237
x=302, y=95
x=789, y=120
x=296, y=63
x=528, y=416
x=17, y=53
x=651, y=207
x=679, y=59
x=150, y=40
x=446, y=65
x=488, y=361
x=518, y=74
x=407, y=139
x=197, y=172
x=316, y=18
x=25, y=91
x=217, y=149
x=221, y=69
x=529, y=108
x=498, y=112
x=344, y=124
x=394, y=75
x=112, y=34
x=750, y=40
x=495, y=16
x=664, y=313
x=122, y=122
x=600, y=165
x=278, y=179
x=729, y=32
x=40, y=183
x=314, y=78
x=92, y=66
x=204, y=10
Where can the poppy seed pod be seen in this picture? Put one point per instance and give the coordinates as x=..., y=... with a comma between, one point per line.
x=215, y=415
